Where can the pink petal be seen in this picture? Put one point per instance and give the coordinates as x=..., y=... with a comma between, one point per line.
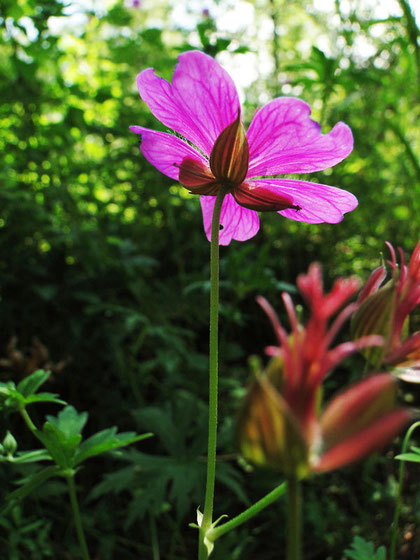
x=403, y=351
x=318, y=203
x=414, y=266
x=165, y=151
x=373, y=283
x=377, y=435
x=338, y=354
x=283, y=139
x=238, y=223
x=199, y=104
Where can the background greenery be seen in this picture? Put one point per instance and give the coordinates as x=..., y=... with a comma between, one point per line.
x=104, y=264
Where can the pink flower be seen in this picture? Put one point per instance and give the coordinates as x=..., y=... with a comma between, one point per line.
x=202, y=106
x=281, y=424
x=385, y=310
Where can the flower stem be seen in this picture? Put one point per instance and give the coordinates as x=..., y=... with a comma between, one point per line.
x=76, y=515
x=213, y=372
x=400, y=484
x=267, y=500
x=294, y=519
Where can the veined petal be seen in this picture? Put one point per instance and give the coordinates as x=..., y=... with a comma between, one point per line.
x=368, y=440
x=165, y=151
x=238, y=223
x=317, y=203
x=261, y=199
x=201, y=101
x=283, y=139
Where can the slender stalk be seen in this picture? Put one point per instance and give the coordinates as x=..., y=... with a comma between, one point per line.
x=294, y=519
x=267, y=500
x=76, y=516
x=28, y=420
x=394, y=535
x=154, y=537
x=213, y=373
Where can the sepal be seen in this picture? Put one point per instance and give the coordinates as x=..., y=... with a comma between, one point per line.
x=230, y=154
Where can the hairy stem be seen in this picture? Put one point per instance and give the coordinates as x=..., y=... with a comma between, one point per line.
x=213, y=372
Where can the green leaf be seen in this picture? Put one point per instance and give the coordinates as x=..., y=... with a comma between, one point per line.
x=10, y=397
x=33, y=482
x=69, y=421
x=32, y=456
x=104, y=441
x=364, y=550
x=44, y=397
x=412, y=457
x=62, y=447
x=31, y=384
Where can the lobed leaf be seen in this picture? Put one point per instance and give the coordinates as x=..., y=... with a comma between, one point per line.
x=104, y=441
x=33, y=382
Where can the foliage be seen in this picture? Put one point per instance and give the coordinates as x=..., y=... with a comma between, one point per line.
x=365, y=550
x=414, y=456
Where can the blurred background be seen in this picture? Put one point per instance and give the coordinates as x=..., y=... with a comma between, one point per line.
x=104, y=263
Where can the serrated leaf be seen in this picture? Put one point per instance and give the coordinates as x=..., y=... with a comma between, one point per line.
x=44, y=397
x=365, y=550
x=33, y=382
x=33, y=482
x=105, y=441
x=69, y=421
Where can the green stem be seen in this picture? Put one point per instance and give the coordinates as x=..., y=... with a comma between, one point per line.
x=154, y=537
x=213, y=373
x=76, y=516
x=217, y=532
x=28, y=421
x=400, y=484
x=294, y=519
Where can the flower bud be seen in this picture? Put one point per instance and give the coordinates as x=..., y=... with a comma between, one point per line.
x=9, y=445
x=375, y=316
x=269, y=434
